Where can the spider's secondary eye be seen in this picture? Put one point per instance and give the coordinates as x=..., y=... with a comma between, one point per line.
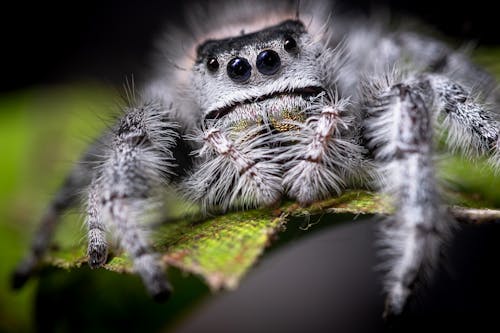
x=212, y=64
x=268, y=62
x=239, y=70
x=290, y=45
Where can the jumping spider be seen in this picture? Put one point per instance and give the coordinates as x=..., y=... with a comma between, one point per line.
x=278, y=103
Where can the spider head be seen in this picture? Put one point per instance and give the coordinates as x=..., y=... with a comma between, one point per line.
x=275, y=63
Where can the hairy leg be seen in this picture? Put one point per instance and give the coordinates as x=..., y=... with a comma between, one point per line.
x=66, y=197
x=126, y=191
x=324, y=156
x=97, y=249
x=400, y=123
x=371, y=49
x=399, y=127
x=471, y=126
x=238, y=169
x=434, y=56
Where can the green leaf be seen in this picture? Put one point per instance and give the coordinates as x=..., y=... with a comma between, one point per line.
x=223, y=248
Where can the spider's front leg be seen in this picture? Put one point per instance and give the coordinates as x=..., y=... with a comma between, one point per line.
x=400, y=130
x=326, y=155
x=126, y=190
x=237, y=169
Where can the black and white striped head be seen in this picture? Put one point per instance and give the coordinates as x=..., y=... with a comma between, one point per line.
x=234, y=52
x=282, y=59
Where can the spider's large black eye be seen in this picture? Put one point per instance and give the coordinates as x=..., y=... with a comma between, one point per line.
x=268, y=62
x=239, y=70
x=212, y=64
x=289, y=44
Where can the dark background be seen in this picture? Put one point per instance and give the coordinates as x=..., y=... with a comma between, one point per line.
x=46, y=42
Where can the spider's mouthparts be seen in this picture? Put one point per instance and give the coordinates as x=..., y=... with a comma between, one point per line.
x=305, y=92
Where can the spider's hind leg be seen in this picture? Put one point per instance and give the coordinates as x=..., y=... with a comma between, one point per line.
x=65, y=198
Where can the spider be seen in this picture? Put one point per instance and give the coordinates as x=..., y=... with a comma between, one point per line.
x=269, y=102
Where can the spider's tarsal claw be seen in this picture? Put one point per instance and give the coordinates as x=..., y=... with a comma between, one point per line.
x=159, y=287
x=152, y=272
x=21, y=275
x=395, y=305
x=18, y=280
x=97, y=256
x=392, y=320
x=389, y=312
x=163, y=295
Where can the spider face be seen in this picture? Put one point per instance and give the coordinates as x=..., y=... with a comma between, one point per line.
x=272, y=71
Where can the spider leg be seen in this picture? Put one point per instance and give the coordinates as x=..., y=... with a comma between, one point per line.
x=326, y=155
x=126, y=190
x=434, y=56
x=384, y=50
x=65, y=198
x=97, y=249
x=242, y=168
x=470, y=126
x=399, y=130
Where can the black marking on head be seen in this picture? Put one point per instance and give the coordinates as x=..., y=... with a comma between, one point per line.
x=214, y=47
x=305, y=92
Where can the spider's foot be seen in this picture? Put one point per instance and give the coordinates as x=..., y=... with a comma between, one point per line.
x=22, y=273
x=158, y=286
x=152, y=272
x=163, y=292
x=389, y=313
x=395, y=304
x=19, y=279
x=393, y=321
x=98, y=254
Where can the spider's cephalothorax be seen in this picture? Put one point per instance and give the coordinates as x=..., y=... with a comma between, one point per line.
x=272, y=122
x=270, y=108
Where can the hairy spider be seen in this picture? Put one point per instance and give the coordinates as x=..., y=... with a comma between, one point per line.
x=274, y=104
